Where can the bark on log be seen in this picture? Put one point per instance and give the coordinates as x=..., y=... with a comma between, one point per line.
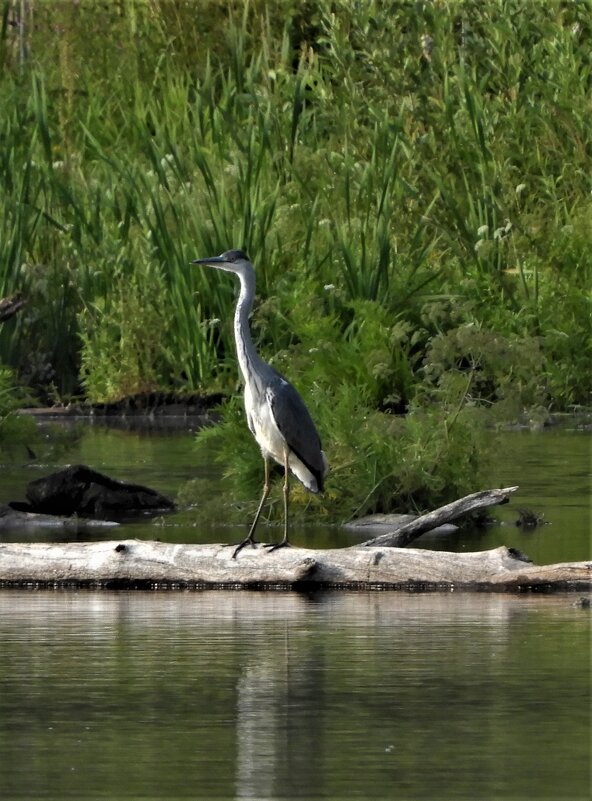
x=154, y=565
x=408, y=532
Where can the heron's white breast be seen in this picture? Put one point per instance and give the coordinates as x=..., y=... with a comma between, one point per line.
x=271, y=440
x=264, y=428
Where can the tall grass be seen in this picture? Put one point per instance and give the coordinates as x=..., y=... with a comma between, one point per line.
x=331, y=142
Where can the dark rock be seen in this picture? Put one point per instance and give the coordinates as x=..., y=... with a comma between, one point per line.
x=527, y=519
x=79, y=489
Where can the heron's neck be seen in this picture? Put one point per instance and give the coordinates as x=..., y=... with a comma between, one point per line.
x=248, y=358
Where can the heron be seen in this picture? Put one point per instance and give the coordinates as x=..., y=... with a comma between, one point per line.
x=276, y=414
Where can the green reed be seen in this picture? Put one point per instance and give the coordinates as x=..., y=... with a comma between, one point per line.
x=334, y=145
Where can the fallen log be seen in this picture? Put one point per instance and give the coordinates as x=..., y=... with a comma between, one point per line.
x=408, y=532
x=140, y=564
x=10, y=306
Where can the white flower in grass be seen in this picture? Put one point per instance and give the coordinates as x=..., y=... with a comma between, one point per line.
x=500, y=232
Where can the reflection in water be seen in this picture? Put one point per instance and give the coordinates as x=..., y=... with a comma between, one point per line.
x=279, y=699
x=260, y=736
x=282, y=705
x=263, y=695
x=279, y=716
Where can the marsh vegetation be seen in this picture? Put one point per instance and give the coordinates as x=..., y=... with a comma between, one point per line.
x=412, y=181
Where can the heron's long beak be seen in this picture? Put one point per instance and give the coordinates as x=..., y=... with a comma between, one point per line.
x=213, y=260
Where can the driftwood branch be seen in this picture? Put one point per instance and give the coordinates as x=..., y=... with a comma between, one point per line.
x=400, y=537
x=10, y=306
x=152, y=565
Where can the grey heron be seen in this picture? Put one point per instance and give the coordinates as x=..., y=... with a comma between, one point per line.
x=276, y=414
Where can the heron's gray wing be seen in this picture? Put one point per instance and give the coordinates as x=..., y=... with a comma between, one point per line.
x=296, y=425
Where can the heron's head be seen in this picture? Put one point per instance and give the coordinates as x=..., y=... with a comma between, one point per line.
x=234, y=261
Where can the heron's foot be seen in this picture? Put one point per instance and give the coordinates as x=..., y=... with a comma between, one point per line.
x=237, y=548
x=277, y=545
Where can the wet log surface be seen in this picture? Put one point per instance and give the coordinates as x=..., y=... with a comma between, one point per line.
x=140, y=564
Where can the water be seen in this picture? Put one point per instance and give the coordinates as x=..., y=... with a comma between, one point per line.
x=552, y=468
x=284, y=696
x=251, y=695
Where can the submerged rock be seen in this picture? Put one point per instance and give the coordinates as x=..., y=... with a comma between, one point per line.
x=373, y=525
x=80, y=490
x=12, y=519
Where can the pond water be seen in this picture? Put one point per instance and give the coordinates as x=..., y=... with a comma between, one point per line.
x=552, y=468
x=254, y=695
x=285, y=696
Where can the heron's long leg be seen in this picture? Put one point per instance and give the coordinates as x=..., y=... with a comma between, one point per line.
x=286, y=496
x=250, y=539
x=266, y=486
x=284, y=542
